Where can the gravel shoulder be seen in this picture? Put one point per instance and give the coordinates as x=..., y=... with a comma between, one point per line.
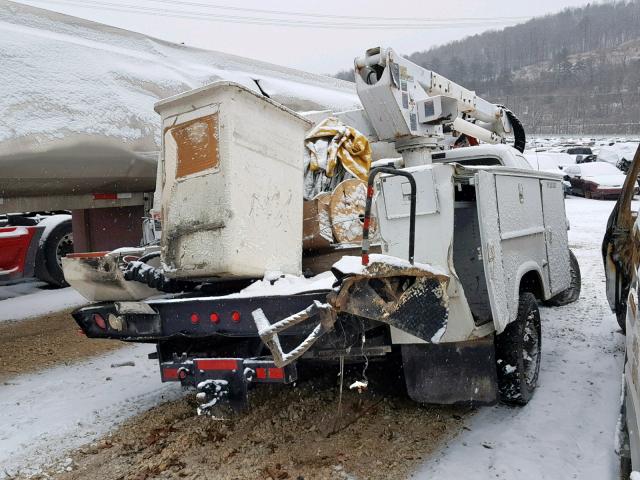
x=52, y=339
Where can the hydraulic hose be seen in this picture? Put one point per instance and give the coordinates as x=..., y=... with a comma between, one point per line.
x=139, y=271
x=520, y=138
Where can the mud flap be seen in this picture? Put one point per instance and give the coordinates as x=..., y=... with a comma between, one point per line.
x=451, y=373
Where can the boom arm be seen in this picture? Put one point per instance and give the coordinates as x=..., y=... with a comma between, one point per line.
x=413, y=106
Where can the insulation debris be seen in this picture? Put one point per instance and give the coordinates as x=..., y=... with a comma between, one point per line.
x=334, y=152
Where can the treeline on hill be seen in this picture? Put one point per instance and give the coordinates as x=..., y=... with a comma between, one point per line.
x=573, y=72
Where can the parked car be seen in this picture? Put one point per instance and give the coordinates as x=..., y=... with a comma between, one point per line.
x=580, y=154
x=595, y=180
x=548, y=162
x=32, y=245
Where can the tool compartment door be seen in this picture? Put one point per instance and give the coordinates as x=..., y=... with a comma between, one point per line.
x=489, y=221
x=556, y=235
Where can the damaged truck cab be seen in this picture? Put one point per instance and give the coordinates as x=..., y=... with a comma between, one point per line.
x=456, y=245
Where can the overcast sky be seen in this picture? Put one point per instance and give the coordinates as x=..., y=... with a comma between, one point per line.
x=321, y=50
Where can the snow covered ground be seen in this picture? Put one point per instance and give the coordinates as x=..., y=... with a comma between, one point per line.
x=26, y=300
x=50, y=412
x=567, y=430
x=21, y=288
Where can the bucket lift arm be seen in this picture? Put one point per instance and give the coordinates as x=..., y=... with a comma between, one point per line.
x=415, y=107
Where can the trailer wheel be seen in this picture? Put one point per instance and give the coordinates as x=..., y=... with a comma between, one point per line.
x=518, y=351
x=57, y=244
x=572, y=293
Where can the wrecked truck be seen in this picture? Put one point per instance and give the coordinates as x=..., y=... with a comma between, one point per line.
x=455, y=243
x=621, y=258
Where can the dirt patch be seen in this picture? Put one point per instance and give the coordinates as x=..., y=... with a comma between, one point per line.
x=45, y=341
x=289, y=433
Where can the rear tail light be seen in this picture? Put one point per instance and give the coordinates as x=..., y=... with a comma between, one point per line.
x=235, y=316
x=99, y=321
x=215, y=318
x=195, y=318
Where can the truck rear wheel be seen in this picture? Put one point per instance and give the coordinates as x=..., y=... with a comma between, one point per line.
x=518, y=352
x=57, y=244
x=572, y=293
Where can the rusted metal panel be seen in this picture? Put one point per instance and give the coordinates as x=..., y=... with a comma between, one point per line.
x=98, y=229
x=197, y=145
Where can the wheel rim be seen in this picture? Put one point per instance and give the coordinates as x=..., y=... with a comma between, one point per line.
x=64, y=247
x=531, y=350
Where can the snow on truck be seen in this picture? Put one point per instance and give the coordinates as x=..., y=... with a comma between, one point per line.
x=438, y=253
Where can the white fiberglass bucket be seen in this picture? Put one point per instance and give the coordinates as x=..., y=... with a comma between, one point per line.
x=232, y=184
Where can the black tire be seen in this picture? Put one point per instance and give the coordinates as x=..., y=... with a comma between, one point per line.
x=58, y=243
x=621, y=317
x=572, y=293
x=625, y=468
x=518, y=352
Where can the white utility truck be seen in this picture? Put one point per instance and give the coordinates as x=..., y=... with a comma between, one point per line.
x=469, y=240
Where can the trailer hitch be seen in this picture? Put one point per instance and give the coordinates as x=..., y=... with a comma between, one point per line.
x=269, y=332
x=210, y=393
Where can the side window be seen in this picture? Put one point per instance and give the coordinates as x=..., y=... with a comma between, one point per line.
x=479, y=161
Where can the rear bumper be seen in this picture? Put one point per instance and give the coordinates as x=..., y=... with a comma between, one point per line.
x=191, y=317
x=225, y=379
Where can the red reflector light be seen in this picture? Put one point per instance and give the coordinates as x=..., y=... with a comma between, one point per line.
x=105, y=196
x=99, y=321
x=235, y=316
x=170, y=373
x=195, y=318
x=261, y=373
x=214, y=318
x=276, y=373
x=216, y=364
